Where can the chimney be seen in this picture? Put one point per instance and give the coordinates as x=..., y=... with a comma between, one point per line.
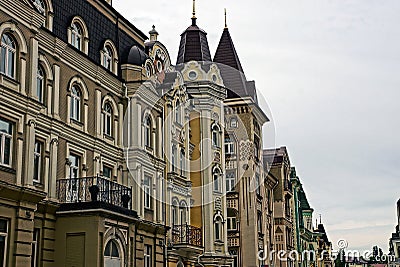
x=153, y=34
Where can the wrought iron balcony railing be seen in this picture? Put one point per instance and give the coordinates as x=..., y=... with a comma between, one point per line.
x=187, y=235
x=74, y=190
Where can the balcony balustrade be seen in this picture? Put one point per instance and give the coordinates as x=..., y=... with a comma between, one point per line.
x=187, y=235
x=91, y=189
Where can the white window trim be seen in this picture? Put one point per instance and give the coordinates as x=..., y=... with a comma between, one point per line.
x=9, y=49
x=3, y=137
x=148, y=250
x=147, y=191
x=232, y=222
x=38, y=155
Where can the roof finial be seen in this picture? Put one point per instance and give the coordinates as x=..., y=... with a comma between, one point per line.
x=194, y=13
x=226, y=24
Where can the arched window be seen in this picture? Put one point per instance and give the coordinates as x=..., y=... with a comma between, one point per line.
x=147, y=132
x=40, y=84
x=76, y=36
x=75, y=103
x=216, y=180
x=108, y=58
x=218, y=228
x=8, y=55
x=108, y=119
x=175, y=208
x=215, y=136
x=183, y=208
x=112, y=255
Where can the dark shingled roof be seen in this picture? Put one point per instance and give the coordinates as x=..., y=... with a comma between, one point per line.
x=231, y=69
x=136, y=56
x=226, y=52
x=194, y=45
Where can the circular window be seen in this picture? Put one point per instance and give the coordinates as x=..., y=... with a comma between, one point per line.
x=192, y=75
x=148, y=71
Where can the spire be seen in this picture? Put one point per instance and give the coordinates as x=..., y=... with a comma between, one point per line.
x=226, y=52
x=226, y=24
x=194, y=13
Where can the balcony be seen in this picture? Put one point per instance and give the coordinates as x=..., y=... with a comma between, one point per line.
x=186, y=235
x=94, y=189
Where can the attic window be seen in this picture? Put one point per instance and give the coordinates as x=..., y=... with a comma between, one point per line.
x=192, y=75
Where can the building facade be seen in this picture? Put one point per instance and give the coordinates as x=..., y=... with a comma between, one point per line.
x=110, y=155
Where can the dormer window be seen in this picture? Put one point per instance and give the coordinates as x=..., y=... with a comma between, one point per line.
x=7, y=56
x=107, y=58
x=76, y=36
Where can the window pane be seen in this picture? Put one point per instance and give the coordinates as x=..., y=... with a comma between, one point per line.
x=3, y=226
x=3, y=60
x=7, y=151
x=5, y=127
x=107, y=172
x=10, y=67
x=114, y=250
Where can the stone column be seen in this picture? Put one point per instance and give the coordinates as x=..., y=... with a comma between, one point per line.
x=30, y=146
x=34, y=55
x=98, y=113
x=52, y=180
x=56, y=94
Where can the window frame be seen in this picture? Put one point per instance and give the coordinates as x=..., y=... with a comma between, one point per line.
x=215, y=136
x=108, y=58
x=5, y=234
x=229, y=146
x=216, y=181
x=148, y=132
x=76, y=103
x=230, y=181
x=40, y=89
x=108, y=119
x=105, y=166
x=147, y=255
x=147, y=192
x=231, y=223
x=77, y=167
x=38, y=160
x=218, y=235
x=77, y=36
x=35, y=247
x=3, y=137
x=8, y=49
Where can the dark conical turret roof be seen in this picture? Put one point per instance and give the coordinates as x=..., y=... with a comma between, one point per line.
x=194, y=45
x=226, y=53
x=231, y=69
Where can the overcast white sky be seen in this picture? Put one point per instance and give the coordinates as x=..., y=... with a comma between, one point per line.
x=330, y=72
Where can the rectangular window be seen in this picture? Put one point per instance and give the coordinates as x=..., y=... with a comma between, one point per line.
x=6, y=132
x=107, y=171
x=230, y=181
x=231, y=223
x=75, y=166
x=216, y=182
x=147, y=256
x=3, y=241
x=35, y=248
x=147, y=192
x=37, y=162
x=257, y=184
x=259, y=222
